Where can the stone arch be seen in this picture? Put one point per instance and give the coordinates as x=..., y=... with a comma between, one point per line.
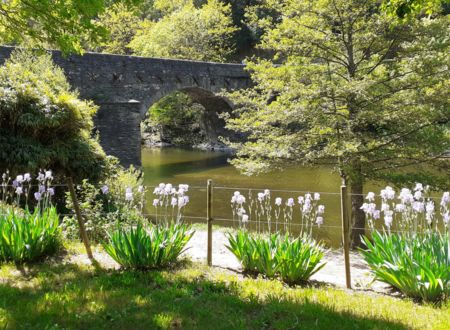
x=213, y=103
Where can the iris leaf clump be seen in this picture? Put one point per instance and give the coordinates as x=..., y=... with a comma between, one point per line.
x=292, y=259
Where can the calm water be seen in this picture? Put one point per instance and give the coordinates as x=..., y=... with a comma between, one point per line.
x=172, y=165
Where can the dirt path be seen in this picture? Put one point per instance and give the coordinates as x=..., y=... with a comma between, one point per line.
x=333, y=272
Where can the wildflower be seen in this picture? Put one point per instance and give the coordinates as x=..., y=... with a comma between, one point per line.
x=181, y=202
x=278, y=201
x=364, y=207
x=157, y=191
x=162, y=186
x=129, y=194
x=370, y=196
x=388, y=218
x=15, y=184
x=321, y=209
x=186, y=199
x=40, y=177
x=241, y=211
x=168, y=188
x=140, y=189
x=267, y=192
x=418, y=187
x=245, y=218
x=19, y=179
x=316, y=196
x=240, y=199
x=48, y=175
x=445, y=198
x=105, y=189
x=41, y=188
x=27, y=177
x=261, y=196
x=156, y=202
x=19, y=191
x=235, y=196
x=290, y=202
x=376, y=214
x=300, y=200
x=306, y=207
x=418, y=194
x=429, y=208
x=400, y=208
x=384, y=207
x=446, y=218
x=174, y=192
x=51, y=191
x=406, y=196
x=387, y=193
x=37, y=196
x=319, y=221
x=184, y=187
x=174, y=202
x=418, y=207
x=308, y=196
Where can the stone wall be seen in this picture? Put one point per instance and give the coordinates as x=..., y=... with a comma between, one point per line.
x=112, y=81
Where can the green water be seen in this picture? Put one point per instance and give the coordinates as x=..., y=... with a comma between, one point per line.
x=172, y=165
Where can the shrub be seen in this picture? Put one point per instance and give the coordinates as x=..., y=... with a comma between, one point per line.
x=26, y=236
x=293, y=260
x=142, y=248
x=418, y=265
x=43, y=123
x=106, y=206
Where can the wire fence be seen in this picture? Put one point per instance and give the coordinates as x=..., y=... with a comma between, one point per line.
x=327, y=218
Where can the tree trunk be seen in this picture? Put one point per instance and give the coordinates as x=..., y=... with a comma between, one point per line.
x=358, y=216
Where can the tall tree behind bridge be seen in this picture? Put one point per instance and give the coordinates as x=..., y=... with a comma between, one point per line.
x=352, y=87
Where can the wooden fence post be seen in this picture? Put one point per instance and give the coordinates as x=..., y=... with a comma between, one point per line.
x=76, y=207
x=346, y=235
x=209, y=220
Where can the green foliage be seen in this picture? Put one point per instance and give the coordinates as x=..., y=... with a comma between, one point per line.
x=54, y=23
x=203, y=33
x=26, y=236
x=411, y=8
x=347, y=87
x=418, y=266
x=121, y=22
x=142, y=248
x=105, y=211
x=293, y=260
x=43, y=123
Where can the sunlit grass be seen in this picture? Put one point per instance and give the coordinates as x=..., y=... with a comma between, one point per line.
x=62, y=294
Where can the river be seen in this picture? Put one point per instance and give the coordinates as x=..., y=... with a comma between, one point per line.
x=195, y=167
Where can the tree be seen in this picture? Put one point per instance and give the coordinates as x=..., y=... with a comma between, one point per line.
x=203, y=33
x=53, y=23
x=121, y=21
x=43, y=124
x=351, y=87
x=410, y=8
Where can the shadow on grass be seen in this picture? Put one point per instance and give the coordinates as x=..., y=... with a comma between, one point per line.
x=70, y=296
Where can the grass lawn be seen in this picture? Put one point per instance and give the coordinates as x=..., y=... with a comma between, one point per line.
x=64, y=294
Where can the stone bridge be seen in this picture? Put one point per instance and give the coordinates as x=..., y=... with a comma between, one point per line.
x=124, y=87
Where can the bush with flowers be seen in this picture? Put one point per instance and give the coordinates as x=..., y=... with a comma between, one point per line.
x=155, y=245
x=272, y=250
x=27, y=235
x=119, y=199
x=412, y=251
